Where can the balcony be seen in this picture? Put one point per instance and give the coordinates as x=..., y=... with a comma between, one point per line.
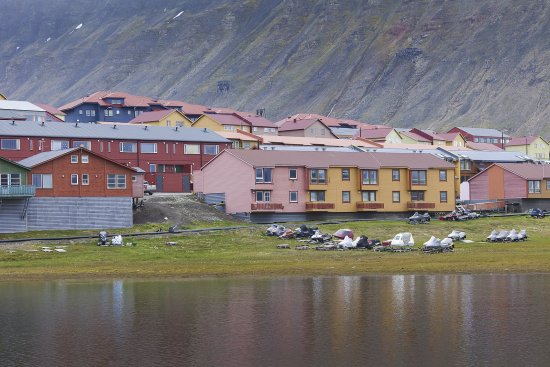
x=266, y=206
x=415, y=205
x=364, y=205
x=17, y=191
x=319, y=206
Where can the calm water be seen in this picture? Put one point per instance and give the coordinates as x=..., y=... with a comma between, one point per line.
x=454, y=320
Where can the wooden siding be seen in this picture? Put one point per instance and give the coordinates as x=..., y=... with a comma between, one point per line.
x=513, y=186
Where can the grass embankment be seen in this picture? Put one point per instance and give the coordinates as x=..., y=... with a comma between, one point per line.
x=247, y=252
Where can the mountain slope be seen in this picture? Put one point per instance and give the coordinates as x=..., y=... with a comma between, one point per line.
x=426, y=63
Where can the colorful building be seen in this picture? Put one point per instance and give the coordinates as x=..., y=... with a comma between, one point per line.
x=533, y=146
x=162, y=118
x=256, y=182
x=168, y=155
x=67, y=189
x=22, y=110
x=525, y=183
x=307, y=128
x=381, y=135
x=482, y=135
x=231, y=121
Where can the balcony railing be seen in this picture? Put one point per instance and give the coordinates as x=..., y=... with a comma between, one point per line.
x=17, y=191
x=420, y=205
x=364, y=205
x=266, y=206
x=319, y=206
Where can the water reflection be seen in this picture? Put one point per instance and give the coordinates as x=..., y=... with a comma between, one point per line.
x=402, y=320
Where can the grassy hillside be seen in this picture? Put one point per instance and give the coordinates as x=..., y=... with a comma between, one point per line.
x=430, y=63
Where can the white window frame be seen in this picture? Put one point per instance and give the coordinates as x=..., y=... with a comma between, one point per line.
x=85, y=179
x=148, y=145
x=293, y=193
x=74, y=158
x=534, y=186
x=84, y=158
x=370, y=195
x=295, y=170
x=191, y=149
x=46, y=180
x=125, y=144
x=4, y=141
x=59, y=144
x=82, y=143
x=208, y=146
x=74, y=179
x=116, y=181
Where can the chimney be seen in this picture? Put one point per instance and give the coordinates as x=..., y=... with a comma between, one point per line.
x=294, y=120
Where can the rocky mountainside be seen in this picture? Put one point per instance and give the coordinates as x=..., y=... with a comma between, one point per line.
x=429, y=63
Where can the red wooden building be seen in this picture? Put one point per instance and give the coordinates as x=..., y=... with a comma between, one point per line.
x=168, y=155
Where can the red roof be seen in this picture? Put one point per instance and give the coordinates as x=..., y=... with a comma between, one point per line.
x=519, y=140
x=344, y=159
x=483, y=146
x=255, y=120
x=152, y=116
x=415, y=136
x=299, y=124
x=129, y=100
x=227, y=119
x=445, y=136
x=328, y=121
x=50, y=109
x=528, y=171
x=377, y=133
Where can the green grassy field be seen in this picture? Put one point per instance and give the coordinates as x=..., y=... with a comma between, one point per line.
x=247, y=252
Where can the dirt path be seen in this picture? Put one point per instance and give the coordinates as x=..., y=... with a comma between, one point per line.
x=180, y=209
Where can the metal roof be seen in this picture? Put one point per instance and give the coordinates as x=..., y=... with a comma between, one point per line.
x=19, y=106
x=258, y=158
x=487, y=156
x=120, y=131
x=40, y=158
x=478, y=131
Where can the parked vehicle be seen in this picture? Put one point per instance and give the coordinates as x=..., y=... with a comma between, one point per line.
x=537, y=213
x=148, y=188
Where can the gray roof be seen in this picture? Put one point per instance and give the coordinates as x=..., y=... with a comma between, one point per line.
x=308, y=148
x=488, y=156
x=44, y=157
x=19, y=106
x=119, y=132
x=344, y=131
x=10, y=115
x=478, y=131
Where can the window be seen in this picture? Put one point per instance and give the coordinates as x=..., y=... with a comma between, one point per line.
x=476, y=140
x=74, y=179
x=548, y=185
x=148, y=147
x=60, y=144
x=116, y=181
x=395, y=175
x=417, y=195
x=10, y=179
x=84, y=158
x=42, y=181
x=369, y=177
x=87, y=112
x=345, y=174
x=228, y=127
x=534, y=187
x=443, y=196
x=74, y=159
x=152, y=167
x=211, y=149
x=129, y=112
x=117, y=111
x=442, y=175
x=396, y=196
x=292, y=174
x=9, y=144
x=293, y=196
x=126, y=147
x=317, y=196
x=82, y=144
x=263, y=196
x=191, y=149
x=264, y=175
x=31, y=145
x=346, y=196
x=166, y=148
x=368, y=196
x=173, y=148
x=108, y=112
x=80, y=112
x=318, y=176
x=418, y=177
x=85, y=179
x=134, y=178
x=465, y=164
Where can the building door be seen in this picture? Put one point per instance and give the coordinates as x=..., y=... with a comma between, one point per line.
x=186, y=183
x=160, y=180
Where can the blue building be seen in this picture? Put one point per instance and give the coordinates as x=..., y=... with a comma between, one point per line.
x=113, y=107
